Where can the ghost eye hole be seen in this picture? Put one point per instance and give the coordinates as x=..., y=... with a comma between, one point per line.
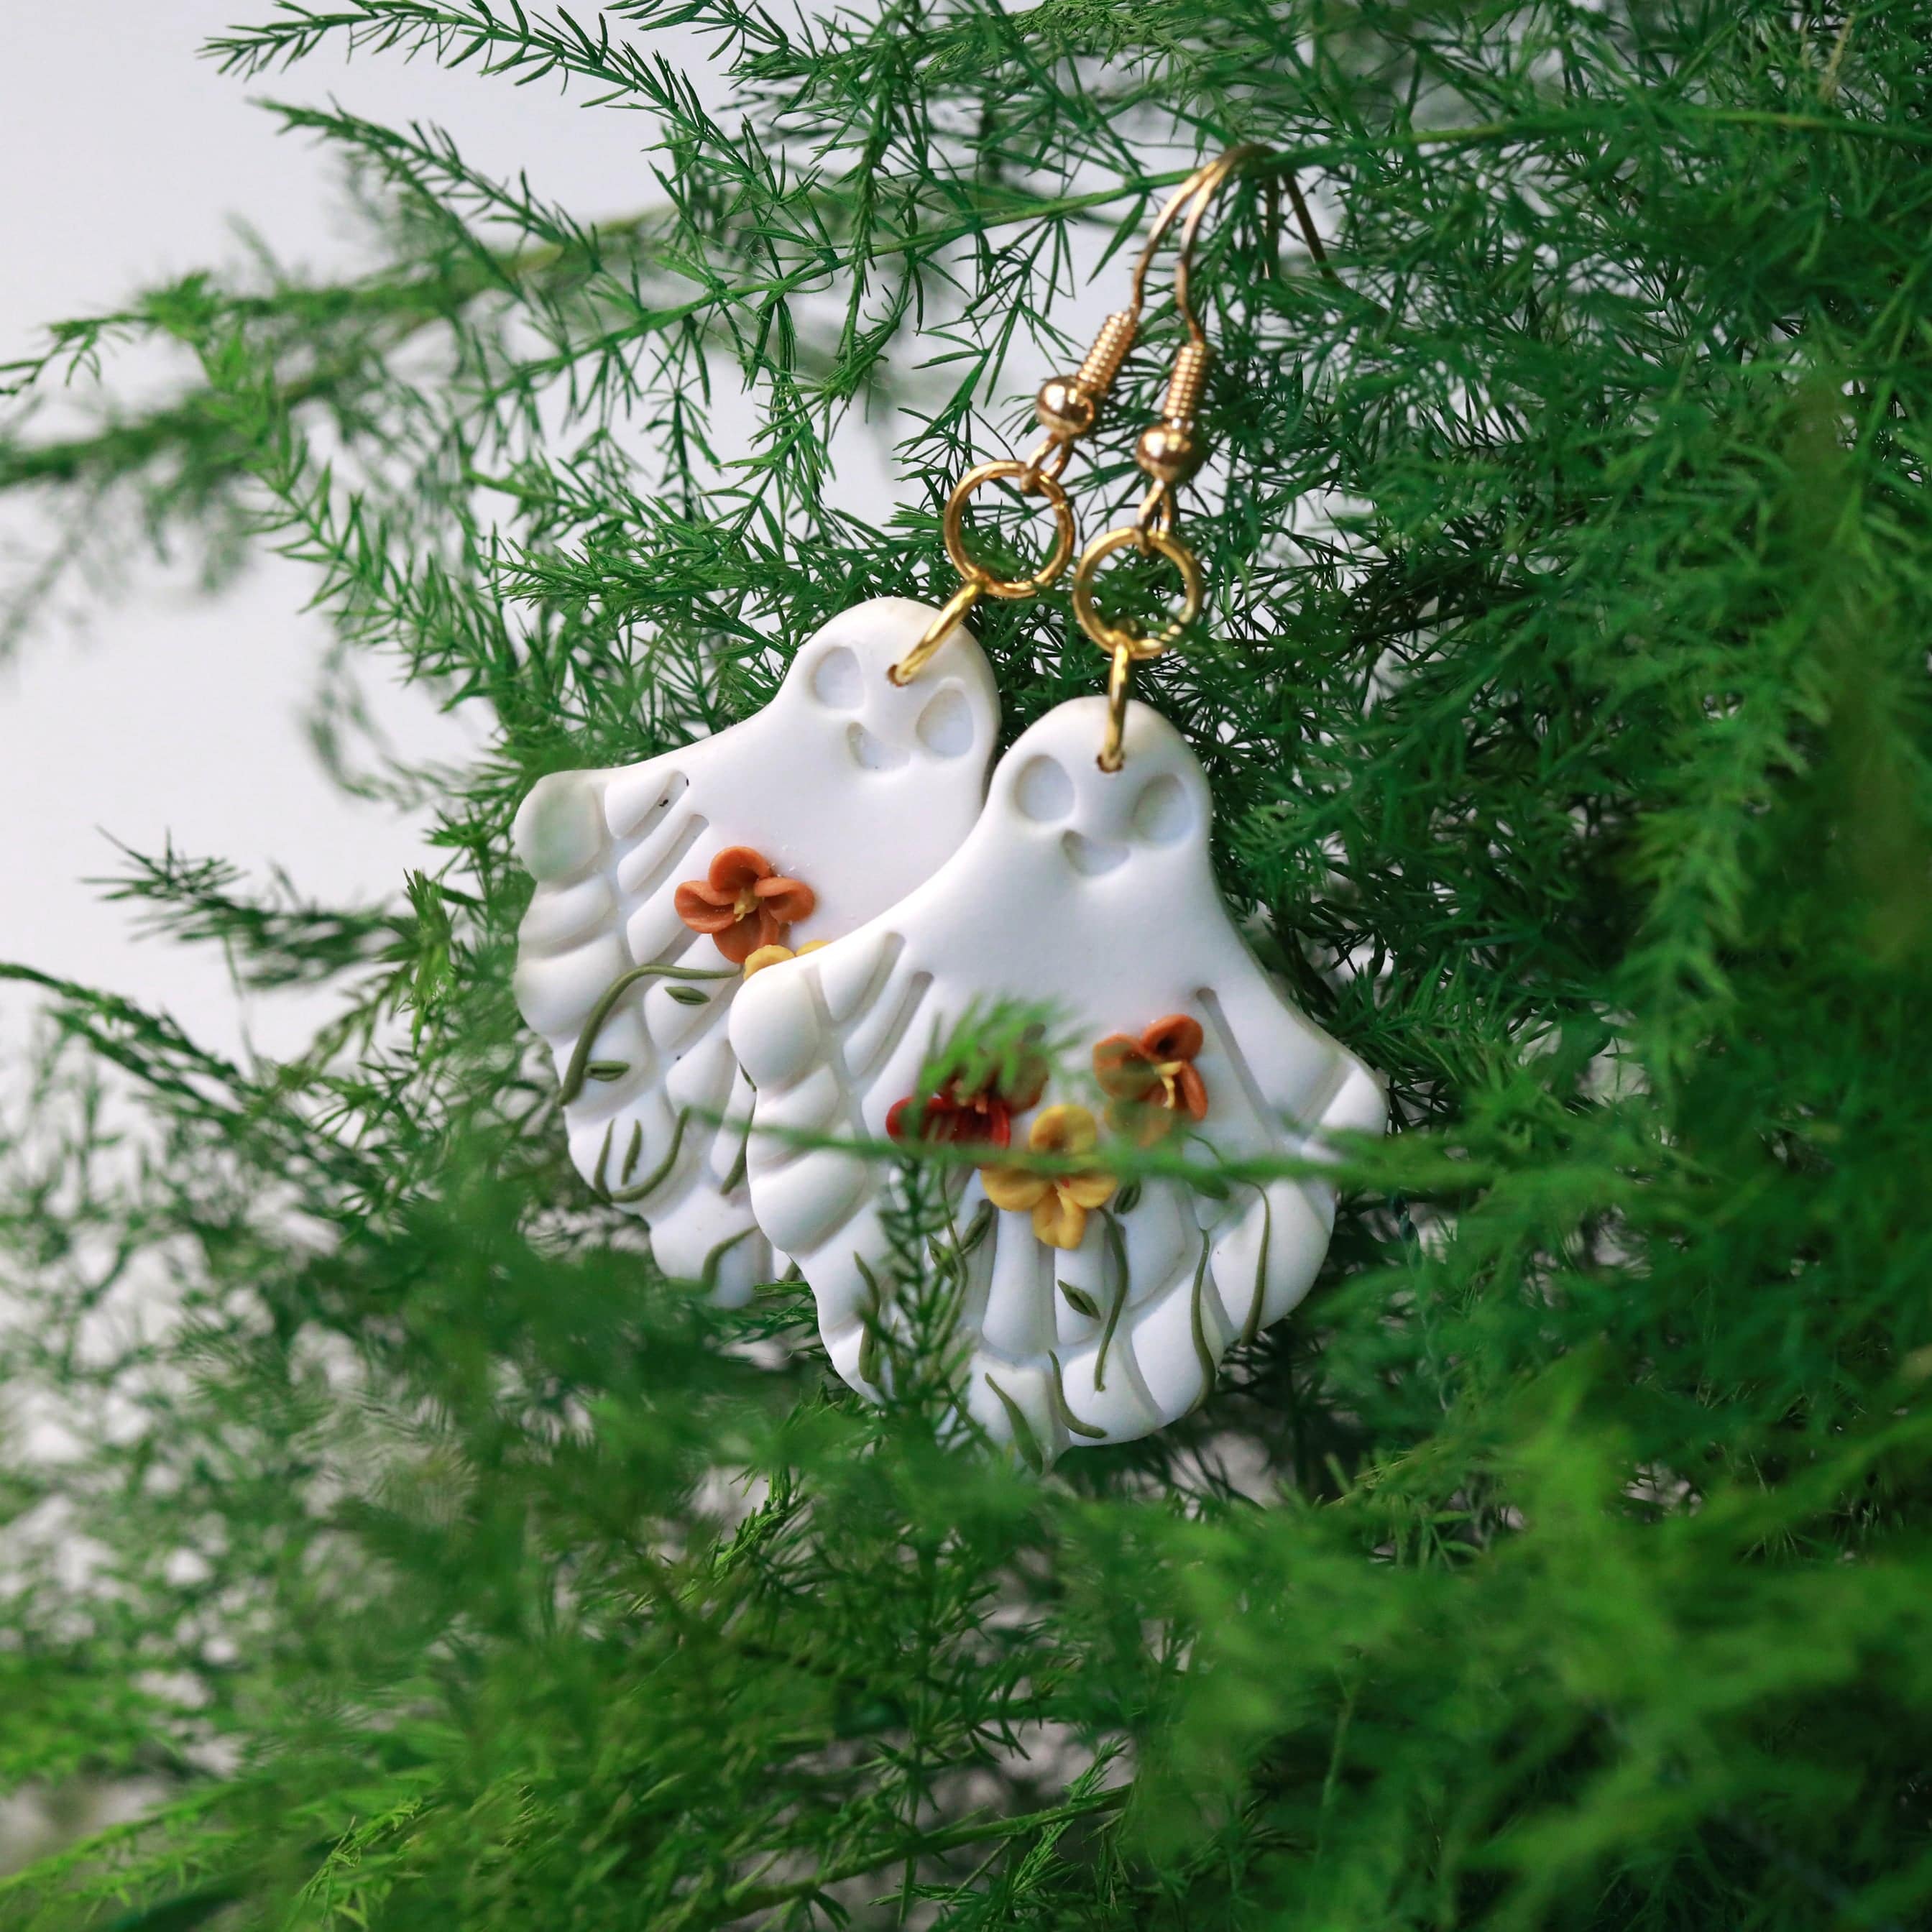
x=944, y=725
x=1162, y=811
x=837, y=681
x=1044, y=791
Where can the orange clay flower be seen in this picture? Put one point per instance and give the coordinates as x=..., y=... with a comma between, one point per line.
x=1149, y=1082
x=742, y=905
x=1061, y=1202
x=773, y=956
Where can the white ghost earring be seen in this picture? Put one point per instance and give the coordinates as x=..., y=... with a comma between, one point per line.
x=662, y=887
x=1094, y=1319
x=1086, y=1313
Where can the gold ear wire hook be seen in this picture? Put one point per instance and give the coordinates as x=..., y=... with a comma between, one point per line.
x=1068, y=408
x=1162, y=222
x=1169, y=451
x=1208, y=184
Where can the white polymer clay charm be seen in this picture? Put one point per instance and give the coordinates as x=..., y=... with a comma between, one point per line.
x=1092, y=1314
x=659, y=883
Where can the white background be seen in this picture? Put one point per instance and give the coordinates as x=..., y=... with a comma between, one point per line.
x=127, y=159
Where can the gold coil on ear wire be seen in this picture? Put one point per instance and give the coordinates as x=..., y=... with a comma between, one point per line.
x=1109, y=351
x=1068, y=406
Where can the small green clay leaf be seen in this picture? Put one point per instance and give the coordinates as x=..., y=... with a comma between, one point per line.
x=1079, y=1299
x=743, y=1160
x=1252, y=1327
x=1117, y=1251
x=869, y=1317
x=708, y=1280
x=657, y=1175
x=688, y=996
x=578, y=1070
x=980, y=1228
x=1196, y=1316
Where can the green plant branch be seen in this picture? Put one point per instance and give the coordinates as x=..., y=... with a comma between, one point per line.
x=741, y=1900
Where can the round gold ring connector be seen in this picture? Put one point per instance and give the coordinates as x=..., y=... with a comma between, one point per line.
x=1113, y=638
x=1034, y=481
x=976, y=581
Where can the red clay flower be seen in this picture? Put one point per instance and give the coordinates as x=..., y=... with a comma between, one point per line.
x=743, y=904
x=983, y=1116
x=1151, y=1081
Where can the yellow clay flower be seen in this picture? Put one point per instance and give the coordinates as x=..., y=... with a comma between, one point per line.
x=1061, y=1202
x=770, y=955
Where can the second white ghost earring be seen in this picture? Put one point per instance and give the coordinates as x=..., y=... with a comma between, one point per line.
x=1091, y=1315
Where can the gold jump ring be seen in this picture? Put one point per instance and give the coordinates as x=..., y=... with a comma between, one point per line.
x=1113, y=637
x=1034, y=481
x=975, y=581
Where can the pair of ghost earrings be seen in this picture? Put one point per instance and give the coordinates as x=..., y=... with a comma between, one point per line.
x=744, y=950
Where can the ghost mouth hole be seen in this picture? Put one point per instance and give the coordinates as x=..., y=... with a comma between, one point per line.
x=1091, y=857
x=870, y=752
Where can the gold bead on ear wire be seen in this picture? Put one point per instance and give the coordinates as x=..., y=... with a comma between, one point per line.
x=1065, y=409
x=1171, y=450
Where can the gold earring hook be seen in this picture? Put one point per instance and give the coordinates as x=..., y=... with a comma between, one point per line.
x=1068, y=408
x=1169, y=451
x=1197, y=195
x=1200, y=189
